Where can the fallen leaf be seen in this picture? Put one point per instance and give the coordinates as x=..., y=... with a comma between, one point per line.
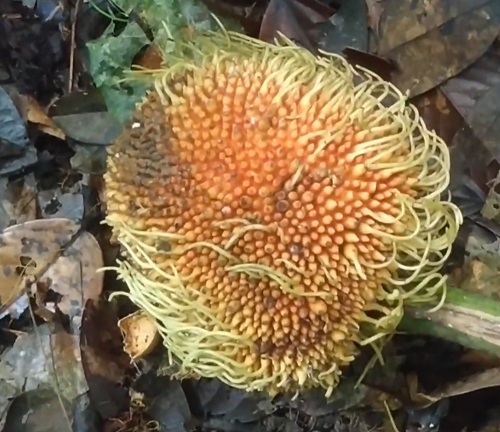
x=54, y=203
x=165, y=402
x=74, y=112
x=37, y=115
x=105, y=364
x=17, y=200
x=47, y=359
x=467, y=155
x=140, y=334
x=13, y=135
x=15, y=165
x=43, y=255
x=347, y=28
x=39, y=410
x=452, y=34
x=89, y=159
x=248, y=13
x=484, y=120
x=314, y=403
x=477, y=381
x=295, y=19
x=372, y=62
x=16, y=267
x=375, y=10
x=111, y=55
x=470, y=85
x=233, y=405
x=74, y=276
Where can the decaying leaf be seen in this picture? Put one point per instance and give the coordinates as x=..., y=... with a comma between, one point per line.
x=39, y=410
x=57, y=204
x=17, y=200
x=104, y=362
x=375, y=10
x=74, y=112
x=295, y=19
x=13, y=135
x=452, y=34
x=43, y=255
x=484, y=120
x=44, y=359
x=37, y=115
x=478, y=381
x=470, y=85
x=481, y=269
x=439, y=114
x=347, y=28
x=165, y=402
x=372, y=62
x=139, y=333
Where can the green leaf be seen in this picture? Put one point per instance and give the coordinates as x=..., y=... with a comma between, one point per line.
x=110, y=57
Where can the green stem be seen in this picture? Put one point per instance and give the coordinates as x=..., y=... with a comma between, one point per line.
x=470, y=319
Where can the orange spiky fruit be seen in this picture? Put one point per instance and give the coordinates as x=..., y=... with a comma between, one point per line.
x=276, y=209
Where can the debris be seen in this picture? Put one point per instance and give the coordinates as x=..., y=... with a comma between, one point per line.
x=33, y=52
x=140, y=334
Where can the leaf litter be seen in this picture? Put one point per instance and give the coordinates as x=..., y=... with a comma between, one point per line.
x=50, y=188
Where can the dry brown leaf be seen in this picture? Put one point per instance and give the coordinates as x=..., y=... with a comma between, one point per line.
x=36, y=114
x=375, y=10
x=37, y=251
x=139, y=333
x=478, y=381
x=432, y=41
